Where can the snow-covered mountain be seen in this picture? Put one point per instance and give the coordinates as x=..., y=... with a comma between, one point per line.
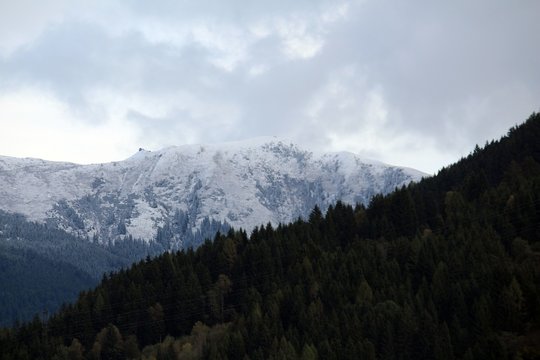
x=186, y=188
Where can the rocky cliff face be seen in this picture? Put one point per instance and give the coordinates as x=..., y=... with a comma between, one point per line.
x=191, y=188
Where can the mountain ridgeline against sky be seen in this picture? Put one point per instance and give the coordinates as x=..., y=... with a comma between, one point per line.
x=447, y=268
x=182, y=190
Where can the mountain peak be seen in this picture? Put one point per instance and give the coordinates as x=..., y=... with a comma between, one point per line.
x=241, y=183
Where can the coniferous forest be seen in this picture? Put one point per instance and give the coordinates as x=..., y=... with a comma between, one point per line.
x=448, y=268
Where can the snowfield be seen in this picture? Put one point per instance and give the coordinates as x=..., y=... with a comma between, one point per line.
x=243, y=184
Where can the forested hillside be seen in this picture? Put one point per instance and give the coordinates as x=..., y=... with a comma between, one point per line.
x=448, y=268
x=42, y=267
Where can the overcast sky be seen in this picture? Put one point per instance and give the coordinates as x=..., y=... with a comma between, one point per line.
x=413, y=83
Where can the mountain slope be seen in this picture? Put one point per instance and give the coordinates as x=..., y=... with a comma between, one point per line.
x=444, y=269
x=26, y=291
x=200, y=187
x=42, y=267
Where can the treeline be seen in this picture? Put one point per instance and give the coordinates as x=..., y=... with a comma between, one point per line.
x=445, y=269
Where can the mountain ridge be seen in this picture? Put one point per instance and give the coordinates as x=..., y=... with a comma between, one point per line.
x=240, y=184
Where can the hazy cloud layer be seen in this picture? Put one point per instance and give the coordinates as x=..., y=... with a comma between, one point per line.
x=415, y=84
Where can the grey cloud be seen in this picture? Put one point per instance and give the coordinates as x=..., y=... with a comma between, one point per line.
x=438, y=58
x=454, y=73
x=238, y=11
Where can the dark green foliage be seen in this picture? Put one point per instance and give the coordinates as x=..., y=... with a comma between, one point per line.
x=42, y=267
x=445, y=269
x=55, y=283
